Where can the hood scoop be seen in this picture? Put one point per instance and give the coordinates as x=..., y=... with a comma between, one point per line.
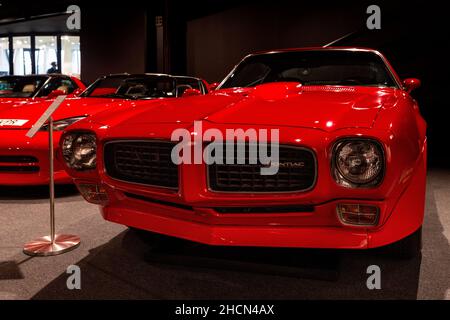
x=328, y=89
x=282, y=90
x=276, y=91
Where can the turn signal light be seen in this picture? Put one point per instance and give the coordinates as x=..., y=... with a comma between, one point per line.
x=93, y=193
x=358, y=214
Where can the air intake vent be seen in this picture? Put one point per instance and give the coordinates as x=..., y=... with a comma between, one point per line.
x=297, y=172
x=143, y=162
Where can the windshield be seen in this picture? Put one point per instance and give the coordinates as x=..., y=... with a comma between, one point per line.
x=321, y=67
x=20, y=87
x=133, y=87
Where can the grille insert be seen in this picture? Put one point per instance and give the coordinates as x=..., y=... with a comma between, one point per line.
x=19, y=169
x=297, y=172
x=280, y=209
x=18, y=164
x=143, y=162
x=18, y=159
x=160, y=202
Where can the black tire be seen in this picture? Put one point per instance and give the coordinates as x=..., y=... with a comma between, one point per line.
x=409, y=247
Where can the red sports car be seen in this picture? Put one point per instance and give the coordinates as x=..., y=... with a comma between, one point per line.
x=350, y=171
x=24, y=161
x=18, y=90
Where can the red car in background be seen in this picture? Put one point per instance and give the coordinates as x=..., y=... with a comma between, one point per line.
x=18, y=90
x=24, y=161
x=351, y=169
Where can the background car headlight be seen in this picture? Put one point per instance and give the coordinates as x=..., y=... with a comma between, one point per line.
x=358, y=163
x=80, y=150
x=62, y=124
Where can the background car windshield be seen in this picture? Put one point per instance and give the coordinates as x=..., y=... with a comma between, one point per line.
x=65, y=85
x=184, y=83
x=20, y=87
x=333, y=67
x=133, y=87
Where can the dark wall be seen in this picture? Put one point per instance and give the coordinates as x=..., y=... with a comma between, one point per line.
x=207, y=39
x=217, y=42
x=113, y=40
x=51, y=25
x=414, y=36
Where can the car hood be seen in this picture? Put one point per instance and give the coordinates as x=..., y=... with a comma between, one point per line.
x=6, y=103
x=32, y=110
x=281, y=104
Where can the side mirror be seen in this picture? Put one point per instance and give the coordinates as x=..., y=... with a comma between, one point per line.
x=191, y=93
x=411, y=84
x=55, y=93
x=213, y=86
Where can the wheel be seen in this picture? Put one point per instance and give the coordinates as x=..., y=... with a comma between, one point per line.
x=409, y=247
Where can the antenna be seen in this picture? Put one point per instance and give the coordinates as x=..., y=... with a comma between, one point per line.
x=339, y=39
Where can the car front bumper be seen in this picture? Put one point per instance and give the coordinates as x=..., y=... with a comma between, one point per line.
x=25, y=161
x=320, y=228
x=191, y=212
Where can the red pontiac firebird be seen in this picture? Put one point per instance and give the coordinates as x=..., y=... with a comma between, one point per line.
x=24, y=161
x=351, y=169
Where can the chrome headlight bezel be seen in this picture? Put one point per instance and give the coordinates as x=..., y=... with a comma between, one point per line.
x=349, y=181
x=75, y=158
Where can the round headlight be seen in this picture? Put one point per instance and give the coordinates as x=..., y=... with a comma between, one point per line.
x=80, y=150
x=358, y=163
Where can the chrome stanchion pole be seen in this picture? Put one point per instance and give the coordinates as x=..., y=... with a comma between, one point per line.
x=53, y=244
x=51, y=156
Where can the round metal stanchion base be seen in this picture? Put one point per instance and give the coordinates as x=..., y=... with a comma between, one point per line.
x=44, y=247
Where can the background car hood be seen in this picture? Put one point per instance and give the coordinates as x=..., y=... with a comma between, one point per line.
x=6, y=103
x=282, y=104
x=71, y=107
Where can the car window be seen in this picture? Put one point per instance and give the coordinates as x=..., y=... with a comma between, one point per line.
x=184, y=83
x=66, y=85
x=133, y=87
x=20, y=87
x=320, y=67
x=105, y=86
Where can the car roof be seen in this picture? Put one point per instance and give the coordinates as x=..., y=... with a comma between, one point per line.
x=316, y=49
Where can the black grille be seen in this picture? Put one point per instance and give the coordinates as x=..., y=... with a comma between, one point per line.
x=19, y=169
x=18, y=159
x=28, y=164
x=297, y=172
x=144, y=162
x=281, y=209
x=160, y=202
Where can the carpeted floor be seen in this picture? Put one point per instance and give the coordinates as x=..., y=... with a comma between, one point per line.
x=119, y=264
